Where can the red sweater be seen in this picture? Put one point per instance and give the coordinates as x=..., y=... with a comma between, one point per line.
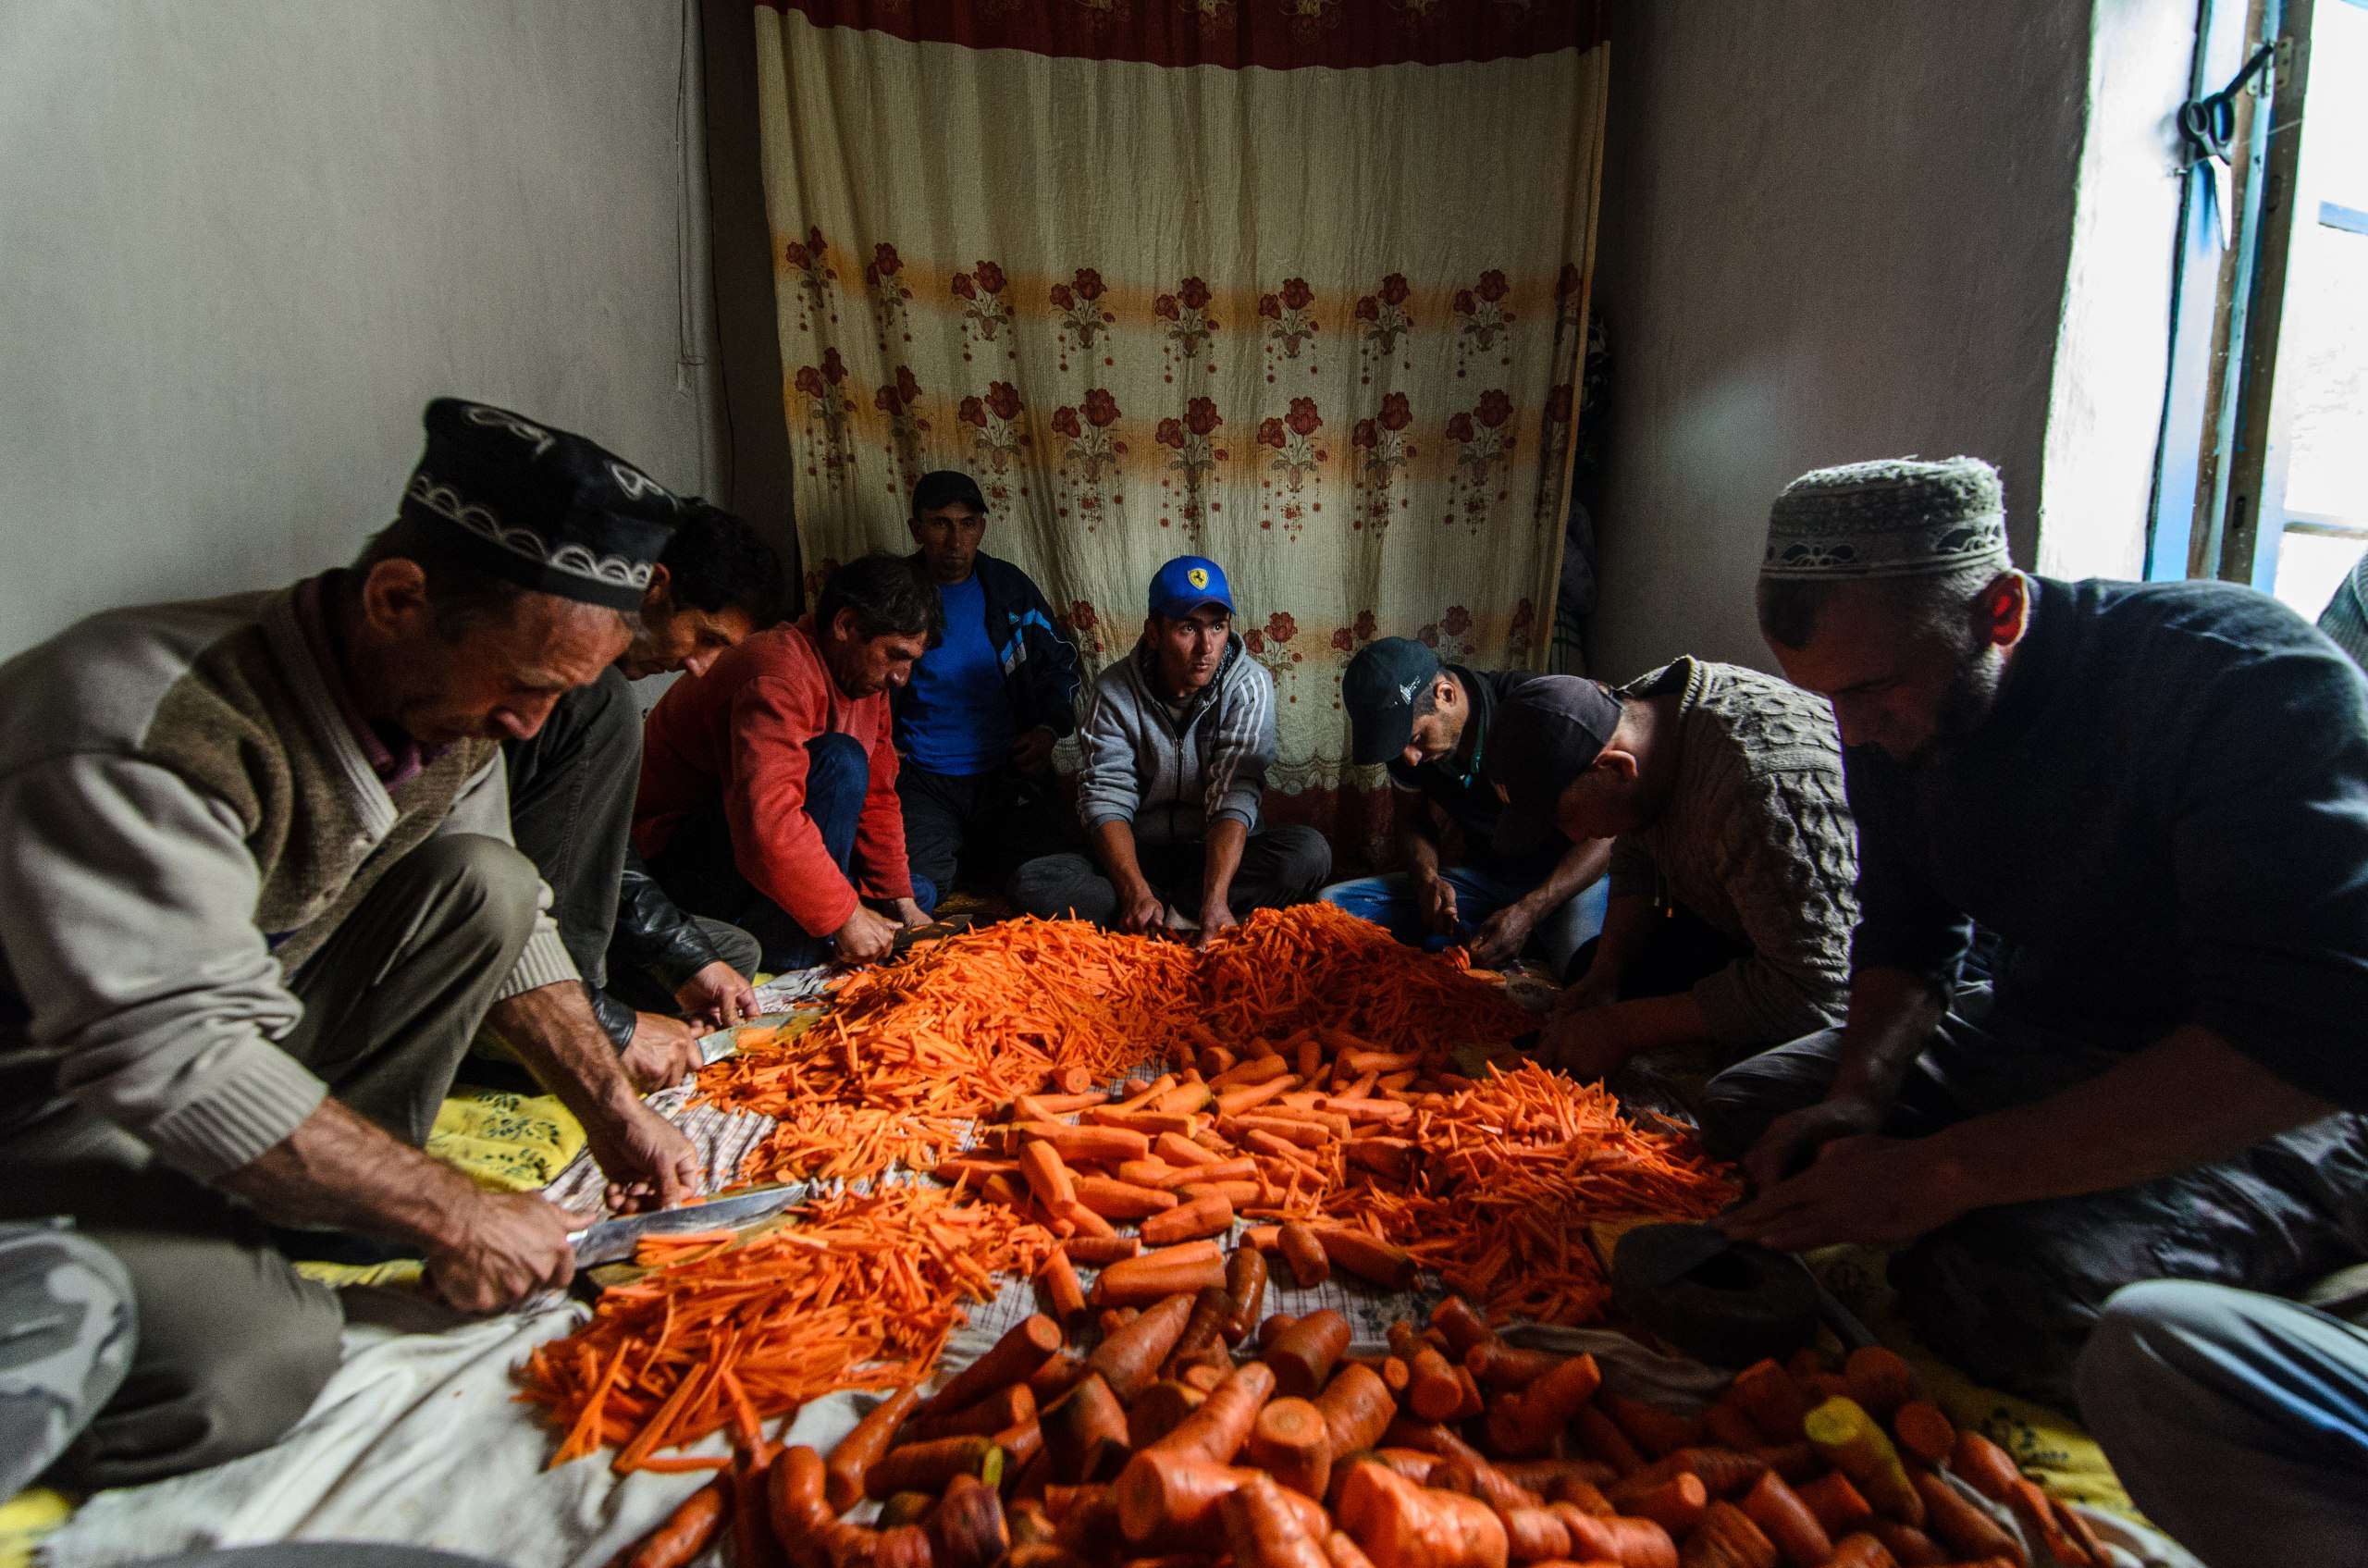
x=738, y=734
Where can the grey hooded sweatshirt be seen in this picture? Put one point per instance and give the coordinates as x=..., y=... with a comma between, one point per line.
x=1172, y=777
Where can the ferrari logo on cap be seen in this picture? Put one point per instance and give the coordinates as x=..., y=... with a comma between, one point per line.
x=1198, y=577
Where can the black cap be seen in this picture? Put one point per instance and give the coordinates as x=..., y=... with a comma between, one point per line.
x=944, y=486
x=1541, y=737
x=1378, y=689
x=545, y=509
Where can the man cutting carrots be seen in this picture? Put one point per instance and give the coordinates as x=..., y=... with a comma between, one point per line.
x=769, y=785
x=259, y=894
x=2157, y=797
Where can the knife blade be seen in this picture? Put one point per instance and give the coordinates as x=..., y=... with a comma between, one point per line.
x=615, y=1240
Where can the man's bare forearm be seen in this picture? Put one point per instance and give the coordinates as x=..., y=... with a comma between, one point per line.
x=1625, y=920
x=339, y=1170
x=552, y=1031
x=1226, y=840
x=1421, y=852
x=2186, y=1100
x=1893, y=1015
x=1577, y=869
x=1114, y=846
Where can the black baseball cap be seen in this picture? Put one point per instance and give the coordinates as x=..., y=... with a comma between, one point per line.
x=944, y=486
x=1378, y=689
x=1541, y=737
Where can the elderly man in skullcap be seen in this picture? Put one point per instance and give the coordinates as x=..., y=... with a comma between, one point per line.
x=2156, y=798
x=258, y=895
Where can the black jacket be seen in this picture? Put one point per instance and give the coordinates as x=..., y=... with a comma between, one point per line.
x=1039, y=663
x=655, y=936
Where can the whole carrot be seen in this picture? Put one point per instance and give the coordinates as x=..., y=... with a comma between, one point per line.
x=1924, y=1431
x=1785, y=1520
x=1967, y=1530
x=1014, y=1358
x=1303, y=1355
x=1245, y=1285
x=1290, y=1441
x=926, y=1466
x=1551, y=1402
x=1357, y=1408
x=1855, y=1445
x=1262, y=1531
x=1209, y=1215
x=1400, y=1524
x=1368, y=1258
x=1305, y=1253
x=687, y=1532
x=1129, y=1359
x=1156, y=1277
x=847, y=1471
x=1217, y=1430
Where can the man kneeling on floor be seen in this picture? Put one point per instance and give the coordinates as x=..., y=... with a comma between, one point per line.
x=1178, y=735
x=571, y=808
x=1732, y=855
x=2156, y=795
x=1430, y=723
x=978, y=721
x=259, y=895
x=769, y=785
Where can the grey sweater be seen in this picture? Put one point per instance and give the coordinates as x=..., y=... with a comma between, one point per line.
x=1756, y=841
x=191, y=816
x=1171, y=778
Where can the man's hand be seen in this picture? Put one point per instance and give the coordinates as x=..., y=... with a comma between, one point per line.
x=1436, y=895
x=910, y=915
x=1140, y=911
x=1033, y=750
x=717, y=996
x=1597, y=989
x=1862, y=1189
x=661, y=1052
x=648, y=1162
x=1584, y=1046
x=1794, y=1139
x=1503, y=936
x=866, y=938
x=1217, y=916
x=506, y=1247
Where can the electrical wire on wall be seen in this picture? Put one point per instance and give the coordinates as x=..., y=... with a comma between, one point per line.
x=694, y=285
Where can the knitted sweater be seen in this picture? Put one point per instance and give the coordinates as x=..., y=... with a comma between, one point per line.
x=192, y=816
x=1755, y=839
x=1172, y=779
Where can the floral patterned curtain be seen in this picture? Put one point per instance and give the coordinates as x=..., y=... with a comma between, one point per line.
x=1296, y=284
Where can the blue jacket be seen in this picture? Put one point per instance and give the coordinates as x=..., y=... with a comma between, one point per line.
x=1039, y=663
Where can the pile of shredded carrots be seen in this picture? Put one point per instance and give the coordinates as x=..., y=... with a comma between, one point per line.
x=910, y=1051
x=860, y=1293
x=1513, y=1168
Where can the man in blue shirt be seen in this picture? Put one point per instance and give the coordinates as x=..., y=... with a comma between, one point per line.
x=978, y=721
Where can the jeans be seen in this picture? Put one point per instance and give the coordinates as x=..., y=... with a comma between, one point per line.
x=699, y=871
x=2238, y=1423
x=1481, y=887
x=1279, y=867
x=2011, y=1293
x=989, y=824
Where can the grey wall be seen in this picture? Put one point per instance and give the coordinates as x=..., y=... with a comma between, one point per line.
x=242, y=242
x=1832, y=229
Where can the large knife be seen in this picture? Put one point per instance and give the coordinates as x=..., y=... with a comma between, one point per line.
x=616, y=1240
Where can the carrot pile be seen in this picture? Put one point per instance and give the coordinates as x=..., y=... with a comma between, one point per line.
x=861, y=1293
x=1491, y=1183
x=910, y=1051
x=1192, y=1438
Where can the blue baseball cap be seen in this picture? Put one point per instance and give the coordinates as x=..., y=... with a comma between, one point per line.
x=1186, y=583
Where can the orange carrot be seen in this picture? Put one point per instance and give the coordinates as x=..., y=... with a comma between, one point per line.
x=1028, y=1345
x=1291, y=1442
x=1121, y=1200
x=846, y=1474
x=1728, y=1539
x=1304, y=1251
x=1967, y=1530
x=1128, y=1360
x=1924, y=1431
x=1357, y=1408
x=1655, y=1431
x=1603, y=1439
x=1157, y=1275
x=1501, y=1366
x=1767, y=1393
x=1400, y=1524
x=1263, y=1531
x=1835, y=1503
x=925, y=1467
x=1087, y=1145
x=1218, y=1428
x=1085, y=1432
x=1854, y=1444
x=1433, y=1388
x=1368, y=1258
x=1533, y=1534
x=1065, y=1296
x=1098, y=1252
x=1210, y=1216
x=1787, y=1521
x=1676, y=1505
x=1303, y=1356
x=1552, y=1402
x=1984, y=1466
x=1879, y=1379
x=1909, y=1546
x=1011, y=1405
x=2034, y=1512
x=1174, y=1497
x=1861, y=1551
x=1245, y=1287
x=1160, y=1409
x=687, y=1531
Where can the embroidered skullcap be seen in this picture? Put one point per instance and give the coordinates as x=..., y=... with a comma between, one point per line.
x=540, y=507
x=1892, y=518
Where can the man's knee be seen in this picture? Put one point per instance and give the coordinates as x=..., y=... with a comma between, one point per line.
x=1303, y=859
x=1057, y=886
x=1738, y=1106
x=735, y=946
x=480, y=879
x=835, y=759
x=2181, y=1328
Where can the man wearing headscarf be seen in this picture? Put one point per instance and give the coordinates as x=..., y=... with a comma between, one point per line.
x=2156, y=798
x=259, y=894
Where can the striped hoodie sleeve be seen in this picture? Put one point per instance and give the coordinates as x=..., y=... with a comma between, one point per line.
x=1240, y=746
